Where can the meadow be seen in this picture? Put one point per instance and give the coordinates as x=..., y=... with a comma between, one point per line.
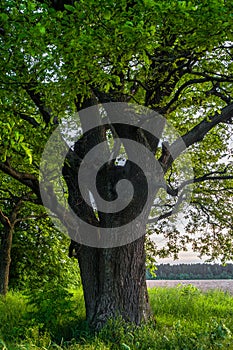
x=184, y=318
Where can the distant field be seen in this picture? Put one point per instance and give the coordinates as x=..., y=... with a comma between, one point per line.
x=225, y=285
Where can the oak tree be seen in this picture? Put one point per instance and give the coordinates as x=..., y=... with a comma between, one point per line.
x=174, y=57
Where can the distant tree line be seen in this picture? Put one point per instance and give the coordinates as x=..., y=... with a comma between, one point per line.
x=192, y=271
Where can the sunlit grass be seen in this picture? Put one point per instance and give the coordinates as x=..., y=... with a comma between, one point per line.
x=184, y=319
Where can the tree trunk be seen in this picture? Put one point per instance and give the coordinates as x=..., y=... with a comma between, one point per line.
x=5, y=259
x=114, y=283
x=114, y=279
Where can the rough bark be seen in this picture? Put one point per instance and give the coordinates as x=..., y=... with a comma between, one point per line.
x=114, y=283
x=5, y=259
x=114, y=279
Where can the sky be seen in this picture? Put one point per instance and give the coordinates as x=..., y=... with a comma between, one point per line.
x=184, y=258
x=188, y=257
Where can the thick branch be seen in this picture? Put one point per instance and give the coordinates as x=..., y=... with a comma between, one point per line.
x=24, y=178
x=196, y=134
x=200, y=130
x=36, y=98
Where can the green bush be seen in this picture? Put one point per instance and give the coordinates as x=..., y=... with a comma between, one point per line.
x=13, y=309
x=56, y=309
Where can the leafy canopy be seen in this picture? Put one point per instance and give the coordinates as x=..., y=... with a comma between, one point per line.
x=172, y=56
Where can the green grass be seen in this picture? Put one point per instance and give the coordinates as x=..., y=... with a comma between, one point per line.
x=186, y=319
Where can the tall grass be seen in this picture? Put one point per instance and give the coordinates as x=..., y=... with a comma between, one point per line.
x=185, y=319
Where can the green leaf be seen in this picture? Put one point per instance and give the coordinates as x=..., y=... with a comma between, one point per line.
x=107, y=15
x=27, y=151
x=129, y=23
x=124, y=346
x=42, y=30
x=69, y=8
x=16, y=135
x=4, y=17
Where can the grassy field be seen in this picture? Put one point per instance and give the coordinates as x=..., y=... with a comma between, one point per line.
x=186, y=319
